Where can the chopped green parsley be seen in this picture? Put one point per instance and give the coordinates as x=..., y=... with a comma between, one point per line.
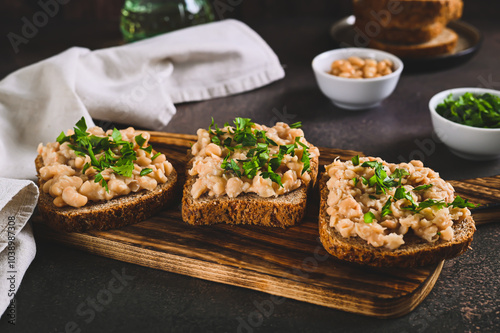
x=84, y=144
x=383, y=182
x=472, y=110
x=259, y=157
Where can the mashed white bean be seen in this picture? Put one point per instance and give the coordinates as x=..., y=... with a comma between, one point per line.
x=212, y=179
x=63, y=178
x=350, y=200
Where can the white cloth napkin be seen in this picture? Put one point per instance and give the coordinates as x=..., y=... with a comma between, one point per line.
x=135, y=84
x=17, y=246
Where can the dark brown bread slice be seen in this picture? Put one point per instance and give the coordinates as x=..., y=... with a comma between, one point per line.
x=415, y=251
x=247, y=208
x=445, y=43
x=408, y=14
x=402, y=36
x=115, y=213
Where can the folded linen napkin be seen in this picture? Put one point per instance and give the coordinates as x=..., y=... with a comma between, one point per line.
x=17, y=246
x=136, y=84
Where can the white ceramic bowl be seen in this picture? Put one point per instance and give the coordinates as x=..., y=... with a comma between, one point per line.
x=468, y=142
x=355, y=94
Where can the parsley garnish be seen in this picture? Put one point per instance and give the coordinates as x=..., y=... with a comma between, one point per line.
x=85, y=144
x=305, y=155
x=369, y=217
x=155, y=156
x=258, y=158
x=399, y=174
x=272, y=175
x=371, y=164
x=402, y=194
x=422, y=187
x=382, y=182
x=355, y=160
x=146, y=171
x=386, y=208
x=231, y=165
x=472, y=110
x=380, y=179
x=429, y=203
x=458, y=202
x=140, y=140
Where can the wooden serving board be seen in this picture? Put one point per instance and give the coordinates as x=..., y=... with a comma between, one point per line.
x=290, y=263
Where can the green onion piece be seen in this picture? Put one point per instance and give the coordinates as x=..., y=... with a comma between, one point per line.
x=369, y=217
x=146, y=171
x=155, y=156
x=422, y=187
x=355, y=160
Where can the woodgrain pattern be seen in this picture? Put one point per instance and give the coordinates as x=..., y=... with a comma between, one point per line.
x=484, y=191
x=290, y=263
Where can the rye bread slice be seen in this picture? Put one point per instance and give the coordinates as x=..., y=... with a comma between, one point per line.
x=401, y=36
x=408, y=14
x=444, y=43
x=115, y=213
x=415, y=251
x=247, y=208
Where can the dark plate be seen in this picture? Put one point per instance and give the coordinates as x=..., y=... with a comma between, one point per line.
x=469, y=42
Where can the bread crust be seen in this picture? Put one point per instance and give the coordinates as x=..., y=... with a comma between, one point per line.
x=402, y=36
x=408, y=14
x=445, y=43
x=415, y=251
x=247, y=208
x=412, y=29
x=115, y=213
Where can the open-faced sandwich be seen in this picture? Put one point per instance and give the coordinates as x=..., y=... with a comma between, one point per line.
x=92, y=179
x=383, y=214
x=246, y=173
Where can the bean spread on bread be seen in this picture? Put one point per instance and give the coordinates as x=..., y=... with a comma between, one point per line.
x=250, y=158
x=93, y=165
x=382, y=202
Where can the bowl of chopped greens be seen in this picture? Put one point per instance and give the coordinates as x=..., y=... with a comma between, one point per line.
x=467, y=120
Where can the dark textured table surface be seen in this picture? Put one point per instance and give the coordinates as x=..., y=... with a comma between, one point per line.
x=465, y=298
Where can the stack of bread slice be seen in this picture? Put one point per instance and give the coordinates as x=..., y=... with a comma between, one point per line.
x=409, y=28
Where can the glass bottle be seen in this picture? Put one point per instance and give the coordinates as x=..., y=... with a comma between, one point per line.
x=146, y=18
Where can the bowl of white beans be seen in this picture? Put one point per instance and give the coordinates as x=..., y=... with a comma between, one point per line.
x=357, y=78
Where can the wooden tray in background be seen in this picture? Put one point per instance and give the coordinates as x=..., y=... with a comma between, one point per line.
x=290, y=263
